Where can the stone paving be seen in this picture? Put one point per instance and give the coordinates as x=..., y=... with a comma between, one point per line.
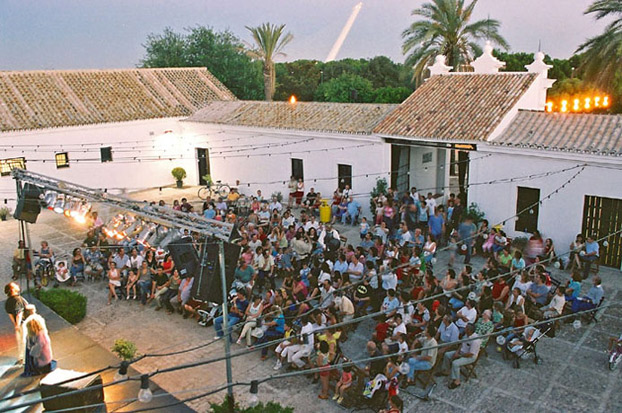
x=572, y=377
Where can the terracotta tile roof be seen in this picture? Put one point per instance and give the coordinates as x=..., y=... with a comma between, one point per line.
x=568, y=132
x=457, y=107
x=317, y=116
x=46, y=99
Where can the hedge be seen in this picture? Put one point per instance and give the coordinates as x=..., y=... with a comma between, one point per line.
x=70, y=305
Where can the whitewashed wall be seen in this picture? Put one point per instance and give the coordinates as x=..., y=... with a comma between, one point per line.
x=159, y=137
x=561, y=216
x=270, y=174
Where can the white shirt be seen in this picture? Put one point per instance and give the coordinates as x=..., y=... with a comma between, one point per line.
x=389, y=281
x=323, y=276
x=275, y=205
x=431, y=205
x=557, y=302
x=307, y=331
x=470, y=315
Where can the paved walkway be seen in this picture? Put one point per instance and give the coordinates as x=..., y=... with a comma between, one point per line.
x=573, y=376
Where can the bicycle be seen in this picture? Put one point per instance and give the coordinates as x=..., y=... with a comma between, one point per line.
x=214, y=190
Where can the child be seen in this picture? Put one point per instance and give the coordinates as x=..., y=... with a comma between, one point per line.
x=304, y=274
x=343, y=384
x=364, y=227
x=452, y=247
x=62, y=273
x=131, y=284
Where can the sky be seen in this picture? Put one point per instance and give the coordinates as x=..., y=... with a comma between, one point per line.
x=85, y=34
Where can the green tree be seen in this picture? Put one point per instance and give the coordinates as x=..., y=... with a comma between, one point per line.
x=514, y=62
x=300, y=78
x=382, y=72
x=391, y=94
x=346, y=88
x=445, y=28
x=602, y=58
x=165, y=50
x=269, y=42
x=220, y=52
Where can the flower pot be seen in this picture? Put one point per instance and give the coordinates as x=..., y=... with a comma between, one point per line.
x=180, y=184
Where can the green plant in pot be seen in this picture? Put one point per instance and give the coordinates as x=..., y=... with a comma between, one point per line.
x=4, y=213
x=179, y=174
x=124, y=349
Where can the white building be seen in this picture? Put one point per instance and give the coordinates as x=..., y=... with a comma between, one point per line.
x=581, y=154
x=101, y=128
x=259, y=145
x=455, y=132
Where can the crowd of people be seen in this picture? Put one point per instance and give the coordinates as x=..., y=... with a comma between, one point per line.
x=300, y=283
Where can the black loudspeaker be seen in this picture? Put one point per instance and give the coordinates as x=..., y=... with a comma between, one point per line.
x=29, y=204
x=185, y=257
x=86, y=398
x=207, y=286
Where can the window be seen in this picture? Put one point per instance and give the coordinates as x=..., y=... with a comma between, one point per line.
x=62, y=160
x=527, y=207
x=297, y=169
x=6, y=165
x=106, y=153
x=344, y=172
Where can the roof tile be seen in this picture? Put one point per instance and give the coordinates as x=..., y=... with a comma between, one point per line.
x=457, y=106
x=55, y=98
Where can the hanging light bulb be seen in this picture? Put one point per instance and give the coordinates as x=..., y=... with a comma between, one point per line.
x=144, y=394
x=253, y=399
x=121, y=374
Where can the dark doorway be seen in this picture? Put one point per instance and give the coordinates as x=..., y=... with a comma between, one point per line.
x=344, y=172
x=203, y=159
x=297, y=169
x=603, y=216
x=527, y=207
x=400, y=165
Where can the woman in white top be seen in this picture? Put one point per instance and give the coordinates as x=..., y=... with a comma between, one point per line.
x=114, y=280
x=253, y=312
x=522, y=282
x=429, y=248
x=516, y=300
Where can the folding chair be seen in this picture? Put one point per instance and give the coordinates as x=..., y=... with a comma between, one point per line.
x=468, y=371
x=591, y=316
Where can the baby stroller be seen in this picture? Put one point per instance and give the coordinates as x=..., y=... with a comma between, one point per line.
x=519, y=348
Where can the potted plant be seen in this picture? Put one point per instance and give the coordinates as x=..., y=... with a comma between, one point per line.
x=124, y=349
x=4, y=212
x=179, y=174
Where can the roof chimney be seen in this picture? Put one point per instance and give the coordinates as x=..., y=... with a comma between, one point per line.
x=439, y=67
x=542, y=70
x=487, y=63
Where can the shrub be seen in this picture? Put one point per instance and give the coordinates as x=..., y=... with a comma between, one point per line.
x=270, y=407
x=178, y=173
x=70, y=305
x=475, y=213
x=124, y=349
x=380, y=189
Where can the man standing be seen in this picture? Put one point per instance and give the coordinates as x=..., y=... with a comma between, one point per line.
x=14, y=307
x=467, y=354
x=466, y=231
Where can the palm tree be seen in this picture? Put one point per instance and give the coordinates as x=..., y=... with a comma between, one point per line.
x=602, y=57
x=445, y=28
x=269, y=43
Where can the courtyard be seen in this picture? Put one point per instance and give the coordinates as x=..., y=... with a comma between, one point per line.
x=573, y=375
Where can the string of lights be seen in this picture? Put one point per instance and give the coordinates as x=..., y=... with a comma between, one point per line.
x=407, y=264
